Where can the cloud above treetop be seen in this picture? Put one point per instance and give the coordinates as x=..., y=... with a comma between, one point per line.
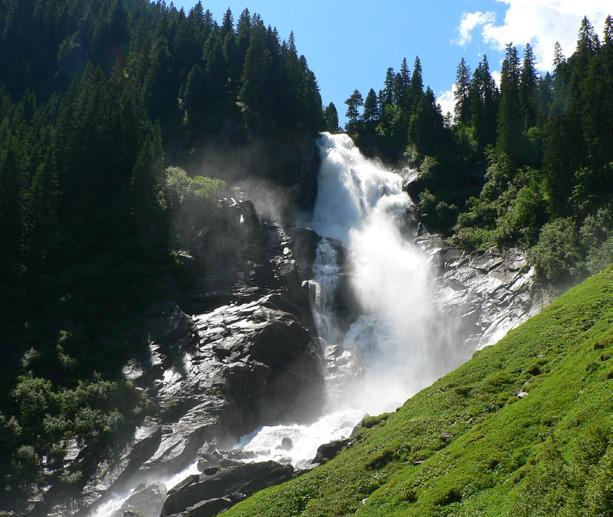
x=538, y=22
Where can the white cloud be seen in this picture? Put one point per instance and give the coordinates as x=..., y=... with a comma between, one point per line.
x=496, y=77
x=538, y=22
x=446, y=100
x=470, y=21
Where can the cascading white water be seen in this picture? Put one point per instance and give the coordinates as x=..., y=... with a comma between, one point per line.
x=397, y=344
x=112, y=507
x=325, y=273
x=362, y=204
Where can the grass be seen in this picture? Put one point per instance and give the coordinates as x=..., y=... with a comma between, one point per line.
x=469, y=445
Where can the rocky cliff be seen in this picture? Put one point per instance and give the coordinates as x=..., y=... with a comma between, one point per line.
x=231, y=346
x=228, y=348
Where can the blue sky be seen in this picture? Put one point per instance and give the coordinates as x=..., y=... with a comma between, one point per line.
x=350, y=43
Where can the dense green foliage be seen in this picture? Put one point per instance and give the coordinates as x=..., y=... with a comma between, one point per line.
x=96, y=98
x=523, y=429
x=528, y=164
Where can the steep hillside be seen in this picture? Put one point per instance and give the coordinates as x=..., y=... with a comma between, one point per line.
x=522, y=428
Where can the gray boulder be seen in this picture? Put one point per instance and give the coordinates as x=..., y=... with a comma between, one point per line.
x=147, y=500
x=231, y=484
x=327, y=451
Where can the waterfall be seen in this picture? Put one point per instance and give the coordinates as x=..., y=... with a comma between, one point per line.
x=398, y=340
x=397, y=345
x=392, y=339
x=325, y=280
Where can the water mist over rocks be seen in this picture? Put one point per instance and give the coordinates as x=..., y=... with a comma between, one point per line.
x=397, y=343
x=420, y=307
x=250, y=373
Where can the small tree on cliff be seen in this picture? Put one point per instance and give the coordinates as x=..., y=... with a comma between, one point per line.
x=354, y=103
x=331, y=115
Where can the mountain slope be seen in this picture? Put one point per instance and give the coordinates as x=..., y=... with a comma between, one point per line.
x=522, y=428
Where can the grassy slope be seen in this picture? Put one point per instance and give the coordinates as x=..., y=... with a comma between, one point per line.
x=545, y=454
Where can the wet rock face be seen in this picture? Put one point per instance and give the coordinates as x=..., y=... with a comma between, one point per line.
x=146, y=500
x=238, y=366
x=489, y=293
x=305, y=249
x=229, y=350
x=208, y=494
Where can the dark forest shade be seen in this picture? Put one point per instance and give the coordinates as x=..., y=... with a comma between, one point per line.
x=97, y=97
x=95, y=94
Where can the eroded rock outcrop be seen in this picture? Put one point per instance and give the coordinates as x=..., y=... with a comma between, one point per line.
x=489, y=292
x=231, y=347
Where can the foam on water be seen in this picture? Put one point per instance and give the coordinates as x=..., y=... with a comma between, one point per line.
x=397, y=346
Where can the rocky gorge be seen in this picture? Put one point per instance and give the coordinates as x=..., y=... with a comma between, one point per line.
x=234, y=345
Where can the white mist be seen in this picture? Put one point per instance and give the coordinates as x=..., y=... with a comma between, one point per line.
x=398, y=346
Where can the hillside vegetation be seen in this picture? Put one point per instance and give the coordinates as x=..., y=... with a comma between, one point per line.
x=526, y=162
x=523, y=428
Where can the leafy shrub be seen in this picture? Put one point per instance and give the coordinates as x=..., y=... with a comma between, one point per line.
x=182, y=189
x=192, y=201
x=600, y=257
x=438, y=215
x=557, y=256
x=429, y=168
x=521, y=220
x=596, y=228
x=597, y=239
x=93, y=413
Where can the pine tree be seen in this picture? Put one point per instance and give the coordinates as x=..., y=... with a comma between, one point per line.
x=312, y=115
x=254, y=93
x=146, y=187
x=608, y=31
x=227, y=24
x=462, y=93
x=230, y=53
x=194, y=100
x=331, y=115
x=510, y=141
x=196, y=14
x=388, y=89
x=215, y=93
x=40, y=231
x=528, y=89
x=404, y=100
x=243, y=37
x=588, y=40
x=426, y=129
x=371, y=107
x=354, y=103
x=405, y=73
x=417, y=82
x=484, y=99
x=558, y=55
